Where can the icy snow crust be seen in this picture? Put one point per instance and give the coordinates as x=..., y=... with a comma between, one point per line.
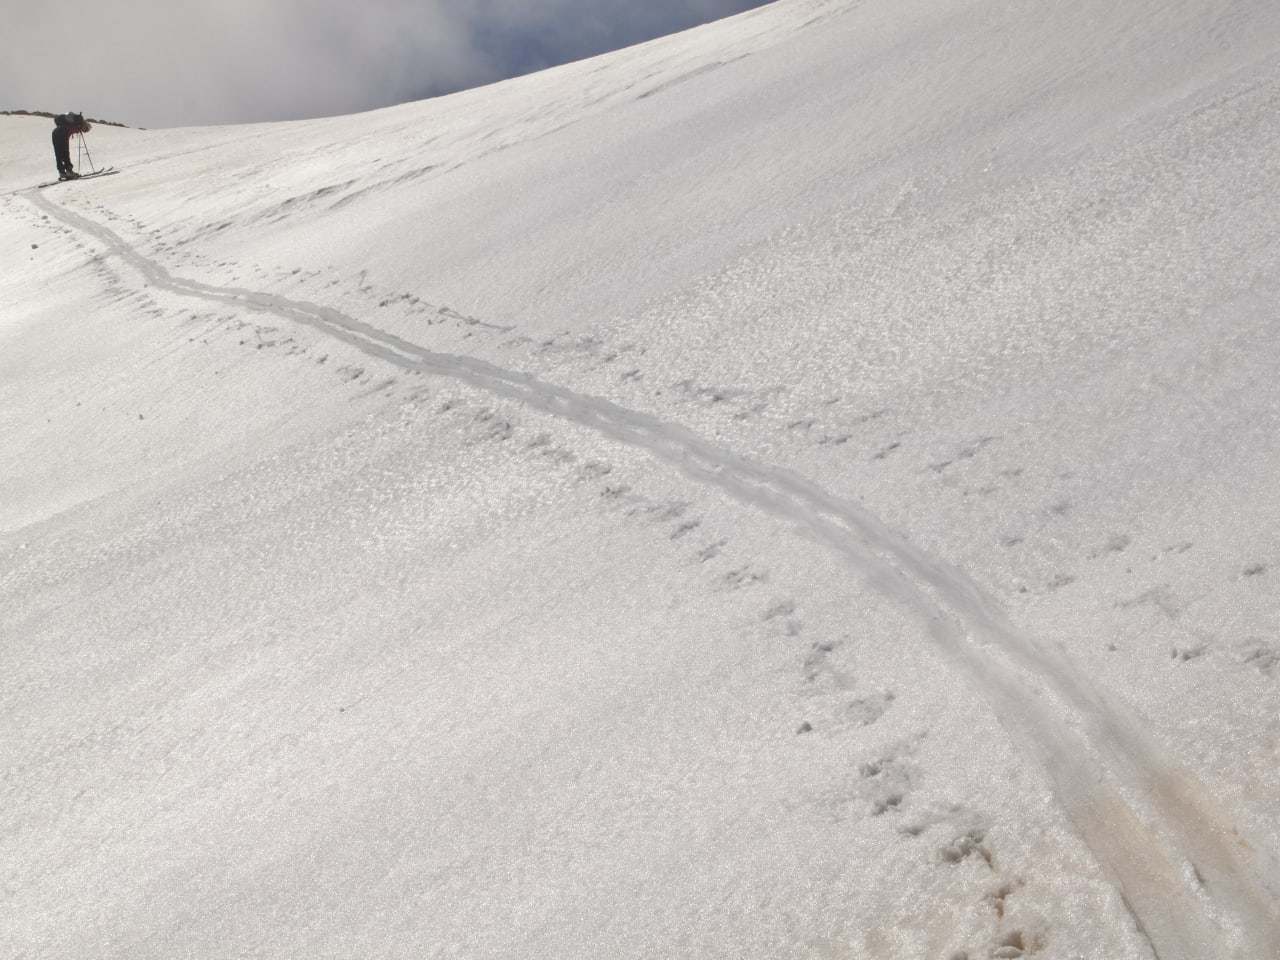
x=804, y=487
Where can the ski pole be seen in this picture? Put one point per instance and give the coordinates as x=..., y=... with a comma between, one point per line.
x=85, y=147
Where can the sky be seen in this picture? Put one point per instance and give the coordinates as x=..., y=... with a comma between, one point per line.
x=148, y=63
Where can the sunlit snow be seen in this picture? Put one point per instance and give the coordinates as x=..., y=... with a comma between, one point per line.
x=804, y=487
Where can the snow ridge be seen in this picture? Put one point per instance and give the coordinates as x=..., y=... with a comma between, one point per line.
x=1192, y=882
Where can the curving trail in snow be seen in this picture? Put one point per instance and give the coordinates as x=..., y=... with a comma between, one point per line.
x=1194, y=885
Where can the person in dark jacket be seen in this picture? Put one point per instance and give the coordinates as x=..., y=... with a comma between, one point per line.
x=65, y=126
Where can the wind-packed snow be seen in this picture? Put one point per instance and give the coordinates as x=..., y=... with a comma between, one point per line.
x=804, y=487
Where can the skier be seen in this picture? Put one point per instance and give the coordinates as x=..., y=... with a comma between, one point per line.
x=64, y=127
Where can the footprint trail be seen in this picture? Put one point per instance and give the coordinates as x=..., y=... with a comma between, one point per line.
x=1196, y=888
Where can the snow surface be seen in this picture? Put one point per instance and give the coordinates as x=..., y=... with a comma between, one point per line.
x=804, y=487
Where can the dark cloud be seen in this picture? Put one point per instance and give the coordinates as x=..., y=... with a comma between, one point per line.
x=156, y=63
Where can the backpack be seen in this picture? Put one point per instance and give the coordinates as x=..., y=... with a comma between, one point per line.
x=73, y=121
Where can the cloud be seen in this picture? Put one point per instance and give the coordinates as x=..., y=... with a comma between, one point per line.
x=177, y=62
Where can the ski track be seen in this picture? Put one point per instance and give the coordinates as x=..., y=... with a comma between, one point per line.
x=1196, y=888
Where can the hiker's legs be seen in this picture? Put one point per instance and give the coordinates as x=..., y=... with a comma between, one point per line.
x=62, y=151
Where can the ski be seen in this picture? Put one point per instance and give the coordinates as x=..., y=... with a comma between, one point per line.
x=105, y=171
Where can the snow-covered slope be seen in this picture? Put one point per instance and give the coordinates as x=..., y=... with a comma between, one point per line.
x=799, y=488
